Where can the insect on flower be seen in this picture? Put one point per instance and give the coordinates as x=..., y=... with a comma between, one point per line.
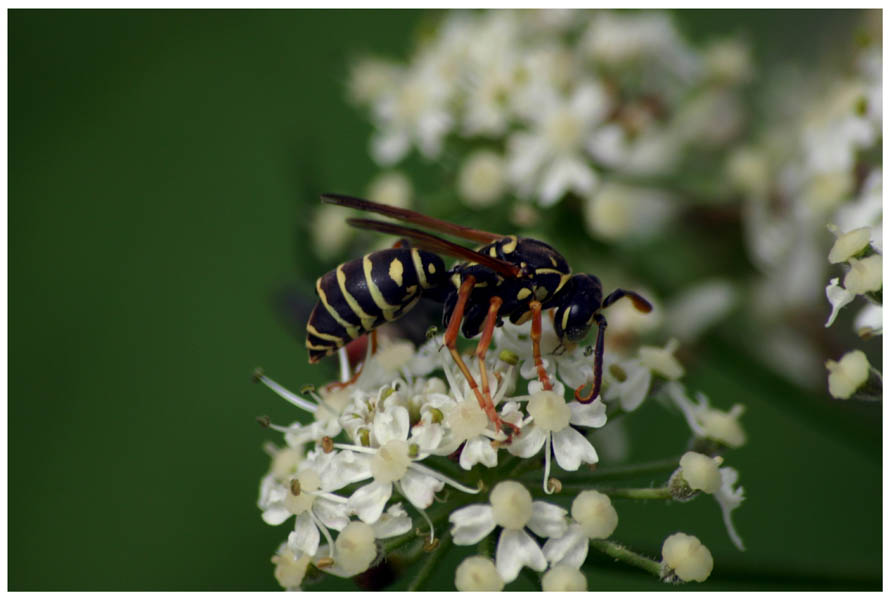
x=505, y=277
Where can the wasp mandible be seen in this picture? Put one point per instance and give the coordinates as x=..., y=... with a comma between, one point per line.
x=507, y=276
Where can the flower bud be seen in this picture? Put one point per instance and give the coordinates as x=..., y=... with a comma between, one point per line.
x=701, y=472
x=847, y=375
x=864, y=275
x=511, y=504
x=477, y=574
x=563, y=578
x=662, y=361
x=723, y=426
x=289, y=570
x=594, y=512
x=849, y=245
x=687, y=556
x=355, y=548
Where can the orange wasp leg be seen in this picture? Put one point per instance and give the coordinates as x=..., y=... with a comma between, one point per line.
x=451, y=343
x=481, y=350
x=535, y=306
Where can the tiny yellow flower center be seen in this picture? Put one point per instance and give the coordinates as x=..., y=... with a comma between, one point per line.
x=466, y=419
x=595, y=514
x=391, y=461
x=511, y=504
x=549, y=410
x=300, y=497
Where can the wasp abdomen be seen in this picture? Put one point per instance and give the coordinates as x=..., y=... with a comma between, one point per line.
x=364, y=293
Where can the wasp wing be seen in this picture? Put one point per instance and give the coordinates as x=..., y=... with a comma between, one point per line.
x=403, y=214
x=428, y=241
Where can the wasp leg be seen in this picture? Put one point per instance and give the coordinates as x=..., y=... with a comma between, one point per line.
x=640, y=303
x=536, y=344
x=451, y=343
x=481, y=350
x=597, y=364
x=373, y=346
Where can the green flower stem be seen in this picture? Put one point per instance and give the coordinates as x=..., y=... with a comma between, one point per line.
x=619, y=552
x=427, y=567
x=585, y=476
x=662, y=493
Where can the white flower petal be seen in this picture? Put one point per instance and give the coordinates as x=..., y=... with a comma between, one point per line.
x=565, y=174
x=395, y=521
x=347, y=467
x=419, y=487
x=571, y=549
x=334, y=515
x=276, y=514
x=478, y=450
x=392, y=424
x=368, y=501
x=271, y=492
x=729, y=499
x=839, y=298
x=305, y=536
x=634, y=389
x=548, y=520
x=528, y=442
x=471, y=524
x=517, y=549
x=571, y=449
x=592, y=414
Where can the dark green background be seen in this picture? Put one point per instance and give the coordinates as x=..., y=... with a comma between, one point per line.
x=160, y=169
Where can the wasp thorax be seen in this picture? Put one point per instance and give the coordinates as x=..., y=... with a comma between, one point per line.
x=549, y=410
x=466, y=420
x=391, y=461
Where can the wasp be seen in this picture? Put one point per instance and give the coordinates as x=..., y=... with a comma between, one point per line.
x=504, y=277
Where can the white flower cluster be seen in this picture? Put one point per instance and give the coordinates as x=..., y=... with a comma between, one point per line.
x=401, y=441
x=817, y=164
x=541, y=103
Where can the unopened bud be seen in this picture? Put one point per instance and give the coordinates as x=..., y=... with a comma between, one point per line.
x=687, y=556
x=509, y=357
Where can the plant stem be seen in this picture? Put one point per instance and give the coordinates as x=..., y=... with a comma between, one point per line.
x=661, y=493
x=582, y=477
x=619, y=552
x=427, y=567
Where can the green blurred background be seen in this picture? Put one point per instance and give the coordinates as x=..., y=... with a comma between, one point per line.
x=162, y=165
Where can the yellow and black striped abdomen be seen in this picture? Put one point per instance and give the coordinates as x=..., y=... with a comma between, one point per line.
x=364, y=293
